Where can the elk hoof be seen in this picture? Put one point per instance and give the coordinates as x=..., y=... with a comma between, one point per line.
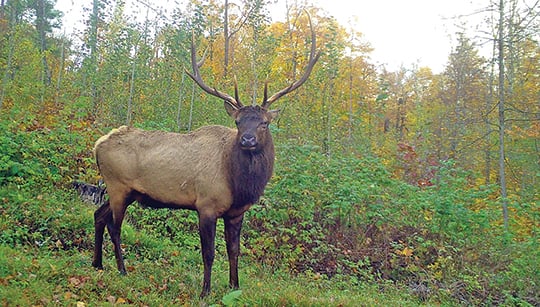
x=98, y=266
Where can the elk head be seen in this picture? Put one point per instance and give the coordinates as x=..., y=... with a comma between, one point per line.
x=252, y=121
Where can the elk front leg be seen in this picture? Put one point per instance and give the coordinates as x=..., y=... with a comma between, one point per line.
x=233, y=226
x=207, y=232
x=102, y=217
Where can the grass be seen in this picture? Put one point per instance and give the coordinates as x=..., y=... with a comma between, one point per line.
x=32, y=277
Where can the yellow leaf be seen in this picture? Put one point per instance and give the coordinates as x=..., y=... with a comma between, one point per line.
x=407, y=252
x=121, y=300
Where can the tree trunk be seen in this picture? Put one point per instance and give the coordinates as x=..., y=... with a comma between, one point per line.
x=94, y=18
x=11, y=50
x=180, y=98
x=190, y=120
x=502, y=173
x=131, y=89
x=40, y=26
x=5, y=78
x=60, y=71
x=487, y=125
x=351, y=98
x=226, y=38
x=3, y=26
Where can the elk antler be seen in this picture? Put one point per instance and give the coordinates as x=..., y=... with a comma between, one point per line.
x=196, y=76
x=313, y=57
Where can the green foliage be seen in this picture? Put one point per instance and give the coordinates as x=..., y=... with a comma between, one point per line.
x=178, y=226
x=43, y=219
x=231, y=299
x=35, y=154
x=29, y=277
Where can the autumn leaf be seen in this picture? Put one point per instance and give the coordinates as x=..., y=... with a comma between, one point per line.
x=121, y=300
x=111, y=299
x=78, y=281
x=407, y=252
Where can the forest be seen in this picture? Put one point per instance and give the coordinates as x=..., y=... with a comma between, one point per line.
x=391, y=187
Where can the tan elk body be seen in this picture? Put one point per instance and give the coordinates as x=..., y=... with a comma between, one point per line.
x=179, y=171
x=217, y=171
x=169, y=167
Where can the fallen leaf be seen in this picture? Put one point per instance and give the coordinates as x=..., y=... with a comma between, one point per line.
x=78, y=281
x=407, y=252
x=111, y=299
x=163, y=288
x=70, y=295
x=100, y=284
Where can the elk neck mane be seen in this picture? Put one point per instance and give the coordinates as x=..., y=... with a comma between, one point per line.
x=249, y=173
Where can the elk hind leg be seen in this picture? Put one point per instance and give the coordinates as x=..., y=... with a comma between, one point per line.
x=102, y=218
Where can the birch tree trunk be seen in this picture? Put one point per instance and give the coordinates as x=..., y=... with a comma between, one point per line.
x=180, y=98
x=131, y=90
x=5, y=77
x=500, y=60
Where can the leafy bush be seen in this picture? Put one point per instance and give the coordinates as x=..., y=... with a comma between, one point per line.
x=178, y=226
x=34, y=154
x=43, y=219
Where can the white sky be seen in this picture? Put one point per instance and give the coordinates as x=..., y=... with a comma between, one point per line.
x=402, y=32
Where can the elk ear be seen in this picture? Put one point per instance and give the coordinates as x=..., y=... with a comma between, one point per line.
x=231, y=110
x=273, y=114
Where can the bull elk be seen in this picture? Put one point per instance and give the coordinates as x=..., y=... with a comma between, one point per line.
x=217, y=171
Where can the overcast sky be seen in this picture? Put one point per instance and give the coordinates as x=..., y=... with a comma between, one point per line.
x=402, y=32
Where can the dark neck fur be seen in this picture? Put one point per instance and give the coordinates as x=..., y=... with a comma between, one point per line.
x=250, y=172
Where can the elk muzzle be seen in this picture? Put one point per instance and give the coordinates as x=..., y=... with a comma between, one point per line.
x=248, y=141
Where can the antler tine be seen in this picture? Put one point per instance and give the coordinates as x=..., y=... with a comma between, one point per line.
x=201, y=62
x=265, y=97
x=313, y=57
x=236, y=96
x=196, y=76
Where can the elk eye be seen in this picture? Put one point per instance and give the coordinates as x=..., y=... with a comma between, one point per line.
x=264, y=125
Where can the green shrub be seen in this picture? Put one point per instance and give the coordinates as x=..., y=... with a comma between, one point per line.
x=42, y=156
x=44, y=218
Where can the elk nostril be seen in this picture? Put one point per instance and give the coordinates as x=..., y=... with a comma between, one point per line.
x=248, y=140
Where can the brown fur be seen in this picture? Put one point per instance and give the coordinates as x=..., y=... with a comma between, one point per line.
x=182, y=171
